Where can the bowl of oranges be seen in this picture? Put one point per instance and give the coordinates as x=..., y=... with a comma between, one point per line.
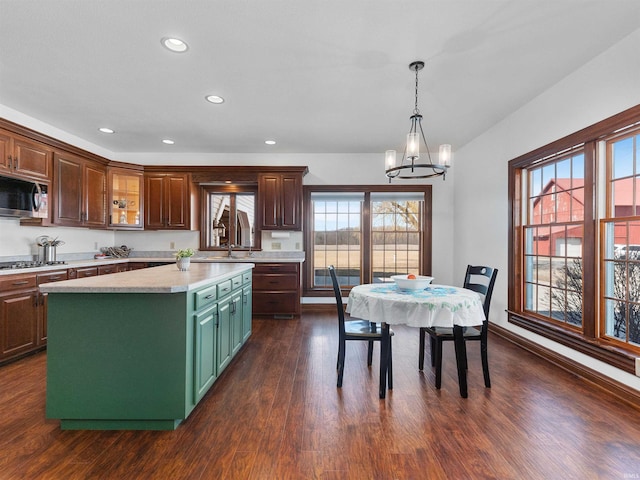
x=411, y=281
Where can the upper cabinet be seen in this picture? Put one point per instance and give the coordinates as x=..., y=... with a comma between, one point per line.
x=167, y=201
x=125, y=203
x=280, y=201
x=80, y=192
x=24, y=158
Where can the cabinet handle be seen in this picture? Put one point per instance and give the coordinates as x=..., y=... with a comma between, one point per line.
x=209, y=297
x=55, y=277
x=36, y=300
x=233, y=307
x=42, y=296
x=225, y=289
x=24, y=282
x=9, y=162
x=216, y=315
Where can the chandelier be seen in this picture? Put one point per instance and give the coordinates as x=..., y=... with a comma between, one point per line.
x=409, y=166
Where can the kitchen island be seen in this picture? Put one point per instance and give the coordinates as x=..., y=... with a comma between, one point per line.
x=138, y=350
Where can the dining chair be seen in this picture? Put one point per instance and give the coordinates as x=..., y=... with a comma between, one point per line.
x=361, y=330
x=479, y=279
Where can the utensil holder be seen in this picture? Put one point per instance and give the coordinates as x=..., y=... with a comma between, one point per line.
x=49, y=255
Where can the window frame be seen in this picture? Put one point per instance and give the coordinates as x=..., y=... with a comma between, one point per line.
x=227, y=189
x=588, y=341
x=426, y=248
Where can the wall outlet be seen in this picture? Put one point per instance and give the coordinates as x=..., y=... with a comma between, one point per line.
x=172, y=245
x=297, y=245
x=276, y=245
x=638, y=367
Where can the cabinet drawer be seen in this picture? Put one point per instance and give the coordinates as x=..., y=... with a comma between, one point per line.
x=276, y=268
x=52, y=277
x=275, y=282
x=246, y=277
x=86, y=272
x=224, y=288
x=272, y=303
x=205, y=297
x=107, y=269
x=17, y=282
x=236, y=282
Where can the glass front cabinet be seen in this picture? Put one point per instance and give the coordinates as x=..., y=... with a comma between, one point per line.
x=125, y=200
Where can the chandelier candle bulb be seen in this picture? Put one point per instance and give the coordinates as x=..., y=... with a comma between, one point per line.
x=390, y=159
x=413, y=145
x=445, y=155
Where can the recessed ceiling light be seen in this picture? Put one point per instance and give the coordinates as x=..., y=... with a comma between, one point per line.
x=214, y=99
x=174, y=44
x=168, y=141
x=270, y=142
x=106, y=130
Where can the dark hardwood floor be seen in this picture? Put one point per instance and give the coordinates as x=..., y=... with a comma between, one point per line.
x=276, y=413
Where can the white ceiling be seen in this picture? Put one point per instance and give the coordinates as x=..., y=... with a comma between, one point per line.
x=318, y=76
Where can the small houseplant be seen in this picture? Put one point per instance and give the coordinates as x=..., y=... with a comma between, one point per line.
x=183, y=258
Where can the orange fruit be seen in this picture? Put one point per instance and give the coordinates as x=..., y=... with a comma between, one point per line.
x=411, y=276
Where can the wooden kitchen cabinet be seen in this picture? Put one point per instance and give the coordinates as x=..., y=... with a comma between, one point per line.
x=280, y=201
x=80, y=192
x=276, y=289
x=19, y=299
x=167, y=201
x=24, y=158
x=48, y=277
x=125, y=198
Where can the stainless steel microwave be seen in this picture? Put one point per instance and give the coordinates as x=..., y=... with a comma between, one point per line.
x=23, y=199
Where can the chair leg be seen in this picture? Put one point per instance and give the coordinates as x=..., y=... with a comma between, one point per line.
x=485, y=364
x=421, y=352
x=370, y=353
x=340, y=366
x=432, y=343
x=436, y=354
x=390, y=367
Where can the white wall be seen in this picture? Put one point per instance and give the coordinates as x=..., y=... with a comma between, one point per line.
x=17, y=241
x=607, y=85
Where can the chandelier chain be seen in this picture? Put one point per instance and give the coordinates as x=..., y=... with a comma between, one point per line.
x=416, y=111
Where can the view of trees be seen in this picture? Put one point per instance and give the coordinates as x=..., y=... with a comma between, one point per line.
x=572, y=282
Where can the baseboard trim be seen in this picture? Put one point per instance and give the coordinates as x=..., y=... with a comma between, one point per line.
x=318, y=308
x=615, y=388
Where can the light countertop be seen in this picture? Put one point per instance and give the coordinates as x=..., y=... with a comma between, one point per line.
x=163, y=279
x=201, y=258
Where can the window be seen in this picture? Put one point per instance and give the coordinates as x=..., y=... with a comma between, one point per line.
x=367, y=233
x=621, y=242
x=228, y=217
x=553, y=239
x=574, y=262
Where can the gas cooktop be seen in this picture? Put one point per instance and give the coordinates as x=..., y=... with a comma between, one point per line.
x=28, y=264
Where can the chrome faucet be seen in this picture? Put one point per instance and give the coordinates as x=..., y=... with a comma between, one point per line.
x=230, y=251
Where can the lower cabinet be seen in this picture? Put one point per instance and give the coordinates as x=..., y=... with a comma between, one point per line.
x=206, y=363
x=19, y=300
x=222, y=322
x=276, y=289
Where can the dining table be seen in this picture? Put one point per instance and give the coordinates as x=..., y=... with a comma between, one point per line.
x=432, y=306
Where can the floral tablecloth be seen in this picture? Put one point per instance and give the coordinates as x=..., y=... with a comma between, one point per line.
x=435, y=306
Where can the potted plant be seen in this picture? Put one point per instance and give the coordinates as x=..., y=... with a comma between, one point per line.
x=183, y=258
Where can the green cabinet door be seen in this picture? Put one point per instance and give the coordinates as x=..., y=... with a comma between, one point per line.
x=246, y=312
x=224, y=333
x=205, y=352
x=236, y=321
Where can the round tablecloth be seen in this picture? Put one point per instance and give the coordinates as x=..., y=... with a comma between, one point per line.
x=435, y=306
